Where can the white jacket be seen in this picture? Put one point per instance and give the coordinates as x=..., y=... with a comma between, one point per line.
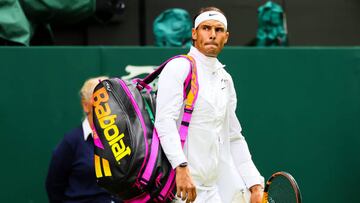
x=214, y=130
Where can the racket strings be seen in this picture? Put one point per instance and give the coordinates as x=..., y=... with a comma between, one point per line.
x=281, y=191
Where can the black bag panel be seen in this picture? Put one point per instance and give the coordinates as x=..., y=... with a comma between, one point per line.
x=133, y=125
x=162, y=166
x=118, y=108
x=137, y=128
x=123, y=166
x=126, y=170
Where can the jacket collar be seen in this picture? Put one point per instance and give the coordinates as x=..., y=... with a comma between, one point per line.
x=210, y=63
x=86, y=128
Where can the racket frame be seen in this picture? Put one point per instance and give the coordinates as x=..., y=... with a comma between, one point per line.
x=290, y=178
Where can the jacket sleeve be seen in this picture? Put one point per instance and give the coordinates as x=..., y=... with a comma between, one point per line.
x=239, y=148
x=58, y=173
x=169, y=107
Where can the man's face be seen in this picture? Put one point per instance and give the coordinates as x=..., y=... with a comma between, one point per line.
x=210, y=37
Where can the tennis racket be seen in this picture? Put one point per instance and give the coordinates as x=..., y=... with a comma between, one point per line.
x=281, y=187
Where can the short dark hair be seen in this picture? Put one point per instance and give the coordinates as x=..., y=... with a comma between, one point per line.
x=210, y=8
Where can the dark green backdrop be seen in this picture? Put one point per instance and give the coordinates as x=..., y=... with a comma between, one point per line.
x=299, y=108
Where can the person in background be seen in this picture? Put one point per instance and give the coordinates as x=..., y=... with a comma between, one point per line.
x=216, y=165
x=71, y=174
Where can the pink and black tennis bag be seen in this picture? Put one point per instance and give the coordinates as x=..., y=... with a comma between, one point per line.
x=129, y=160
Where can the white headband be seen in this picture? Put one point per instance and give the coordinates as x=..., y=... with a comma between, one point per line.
x=210, y=15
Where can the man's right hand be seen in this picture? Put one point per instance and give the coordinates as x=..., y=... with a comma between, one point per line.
x=185, y=187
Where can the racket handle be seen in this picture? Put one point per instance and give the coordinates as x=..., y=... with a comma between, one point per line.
x=265, y=197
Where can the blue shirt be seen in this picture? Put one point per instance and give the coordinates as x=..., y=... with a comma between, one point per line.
x=71, y=175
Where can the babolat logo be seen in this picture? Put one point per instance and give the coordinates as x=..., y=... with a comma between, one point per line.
x=108, y=126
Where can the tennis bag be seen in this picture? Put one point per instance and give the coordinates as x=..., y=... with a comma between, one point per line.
x=129, y=160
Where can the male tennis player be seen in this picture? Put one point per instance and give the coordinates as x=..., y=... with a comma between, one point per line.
x=216, y=164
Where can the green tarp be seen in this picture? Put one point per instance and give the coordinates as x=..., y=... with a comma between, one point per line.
x=172, y=28
x=271, y=27
x=14, y=26
x=18, y=18
x=65, y=11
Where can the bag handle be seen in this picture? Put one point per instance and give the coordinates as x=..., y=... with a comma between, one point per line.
x=144, y=83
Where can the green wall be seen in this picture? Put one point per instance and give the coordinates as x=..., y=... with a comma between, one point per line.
x=299, y=109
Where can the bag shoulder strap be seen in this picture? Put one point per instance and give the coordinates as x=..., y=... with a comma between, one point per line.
x=190, y=99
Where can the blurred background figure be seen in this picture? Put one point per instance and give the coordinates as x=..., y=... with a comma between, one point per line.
x=172, y=28
x=71, y=175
